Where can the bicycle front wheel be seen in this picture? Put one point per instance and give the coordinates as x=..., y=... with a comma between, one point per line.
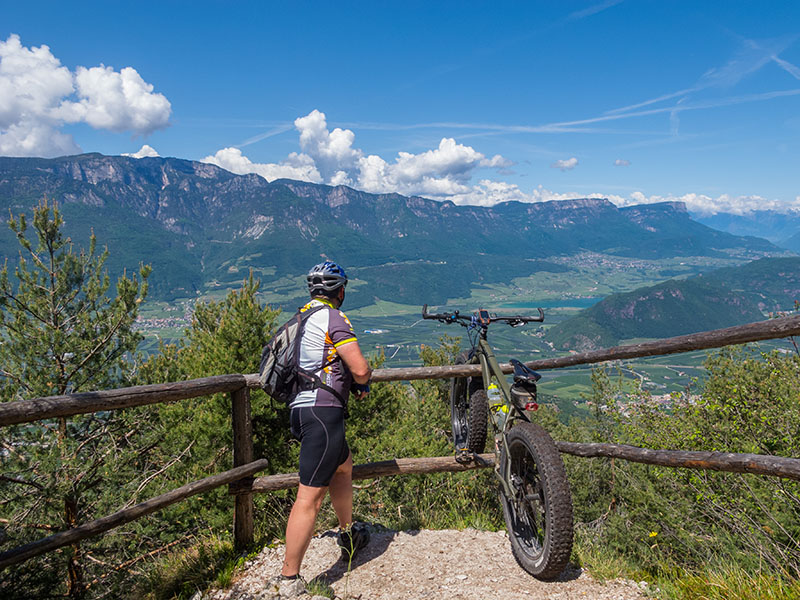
x=539, y=515
x=469, y=411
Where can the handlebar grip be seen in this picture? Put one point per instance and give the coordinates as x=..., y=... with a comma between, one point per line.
x=427, y=315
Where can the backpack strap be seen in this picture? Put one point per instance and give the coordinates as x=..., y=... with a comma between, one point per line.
x=312, y=377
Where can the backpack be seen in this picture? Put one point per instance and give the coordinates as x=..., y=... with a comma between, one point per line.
x=279, y=372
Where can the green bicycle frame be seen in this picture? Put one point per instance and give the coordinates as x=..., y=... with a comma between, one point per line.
x=491, y=368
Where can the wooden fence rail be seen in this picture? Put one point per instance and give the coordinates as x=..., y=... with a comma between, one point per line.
x=757, y=464
x=718, y=338
x=26, y=411
x=93, y=528
x=242, y=485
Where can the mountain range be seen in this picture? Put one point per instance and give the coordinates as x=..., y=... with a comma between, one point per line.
x=202, y=228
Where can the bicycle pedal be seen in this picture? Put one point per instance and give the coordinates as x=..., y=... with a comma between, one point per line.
x=464, y=456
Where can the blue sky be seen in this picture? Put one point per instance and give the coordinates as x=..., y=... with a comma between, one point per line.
x=633, y=100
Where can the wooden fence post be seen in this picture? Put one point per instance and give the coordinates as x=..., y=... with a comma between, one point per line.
x=242, y=455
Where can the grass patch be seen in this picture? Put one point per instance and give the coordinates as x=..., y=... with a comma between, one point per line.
x=181, y=574
x=317, y=587
x=731, y=582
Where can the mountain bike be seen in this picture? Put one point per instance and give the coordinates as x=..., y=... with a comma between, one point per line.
x=534, y=491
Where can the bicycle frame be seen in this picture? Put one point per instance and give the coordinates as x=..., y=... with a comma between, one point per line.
x=490, y=367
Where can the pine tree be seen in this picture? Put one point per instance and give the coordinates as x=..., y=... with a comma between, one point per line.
x=225, y=336
x=62, y=332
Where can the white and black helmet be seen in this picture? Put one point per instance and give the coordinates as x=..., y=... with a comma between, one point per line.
x=326, y=277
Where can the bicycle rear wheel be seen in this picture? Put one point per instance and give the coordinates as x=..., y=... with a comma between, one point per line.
x=539, y=516
x=469, y=410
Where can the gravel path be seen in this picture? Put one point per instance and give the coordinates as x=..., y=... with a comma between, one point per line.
x=414, y=565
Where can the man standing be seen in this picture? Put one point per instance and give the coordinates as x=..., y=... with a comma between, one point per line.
x=328, y=350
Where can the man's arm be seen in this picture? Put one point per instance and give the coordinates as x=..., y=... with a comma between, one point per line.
x=355, y=361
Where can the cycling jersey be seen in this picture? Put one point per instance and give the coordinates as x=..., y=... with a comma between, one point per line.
x=325, y=331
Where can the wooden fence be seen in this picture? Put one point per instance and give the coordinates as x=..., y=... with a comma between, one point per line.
x=243, y=485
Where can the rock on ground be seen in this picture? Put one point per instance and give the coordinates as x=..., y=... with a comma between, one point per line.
x=428, y=564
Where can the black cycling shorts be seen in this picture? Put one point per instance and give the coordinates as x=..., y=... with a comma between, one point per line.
x=323, y=448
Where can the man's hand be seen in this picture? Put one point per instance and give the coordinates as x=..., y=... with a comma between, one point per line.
x=359, y=390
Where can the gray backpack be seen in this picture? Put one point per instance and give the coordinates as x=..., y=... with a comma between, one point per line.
x=279, y=372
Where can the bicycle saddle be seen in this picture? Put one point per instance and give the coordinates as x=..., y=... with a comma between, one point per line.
x=523, y=374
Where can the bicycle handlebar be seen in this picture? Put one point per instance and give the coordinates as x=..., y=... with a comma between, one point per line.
x=466, y=321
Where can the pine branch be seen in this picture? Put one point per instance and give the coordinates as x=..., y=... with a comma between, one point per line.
x=16, y=379
x=24, y=308
x=98, y=347
x=148, y=479
x=11, y=479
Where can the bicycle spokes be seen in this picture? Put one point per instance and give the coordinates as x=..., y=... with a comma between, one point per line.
x=528, y=500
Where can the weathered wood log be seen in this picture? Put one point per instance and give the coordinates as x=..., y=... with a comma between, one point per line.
x=705, y=340
x=27, y=411
x=741, y=334
x=22, y=553
x=243, y=524
x=758, y=464
x=398, y=466
x=718, y=338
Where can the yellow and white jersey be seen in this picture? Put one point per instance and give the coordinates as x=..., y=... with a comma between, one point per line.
x=325, y=331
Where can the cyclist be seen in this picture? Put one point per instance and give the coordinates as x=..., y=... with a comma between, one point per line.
x=330, y=349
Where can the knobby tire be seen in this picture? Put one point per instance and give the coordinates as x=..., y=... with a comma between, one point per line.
x=539, y=517
x=469, y=411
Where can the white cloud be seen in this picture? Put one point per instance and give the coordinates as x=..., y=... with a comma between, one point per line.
x=38, y=95
x=489, y=193
x=332, y=151
x=442, y=172
x=144, y=152
x=117, y=101
x=331, y=157
x=29, y=138
x=621, y=162
x=296, y=166
x=565, y=165
x=706, y=205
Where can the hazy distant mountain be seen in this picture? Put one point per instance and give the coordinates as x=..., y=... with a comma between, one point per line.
x=792, y=243
x=202, y=227
x=776, y=227
x=721, y=298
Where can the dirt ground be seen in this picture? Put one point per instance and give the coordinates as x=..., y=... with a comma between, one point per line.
x=412, y=565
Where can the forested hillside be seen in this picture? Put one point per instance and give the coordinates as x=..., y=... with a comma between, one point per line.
x=722, y=298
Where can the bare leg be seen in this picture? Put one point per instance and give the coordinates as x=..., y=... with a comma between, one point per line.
x=300, y=527
x=341, y=488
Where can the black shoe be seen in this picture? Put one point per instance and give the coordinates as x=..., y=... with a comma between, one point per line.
x=352, y=540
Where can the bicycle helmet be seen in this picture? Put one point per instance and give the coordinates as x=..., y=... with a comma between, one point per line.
x=326, y=277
